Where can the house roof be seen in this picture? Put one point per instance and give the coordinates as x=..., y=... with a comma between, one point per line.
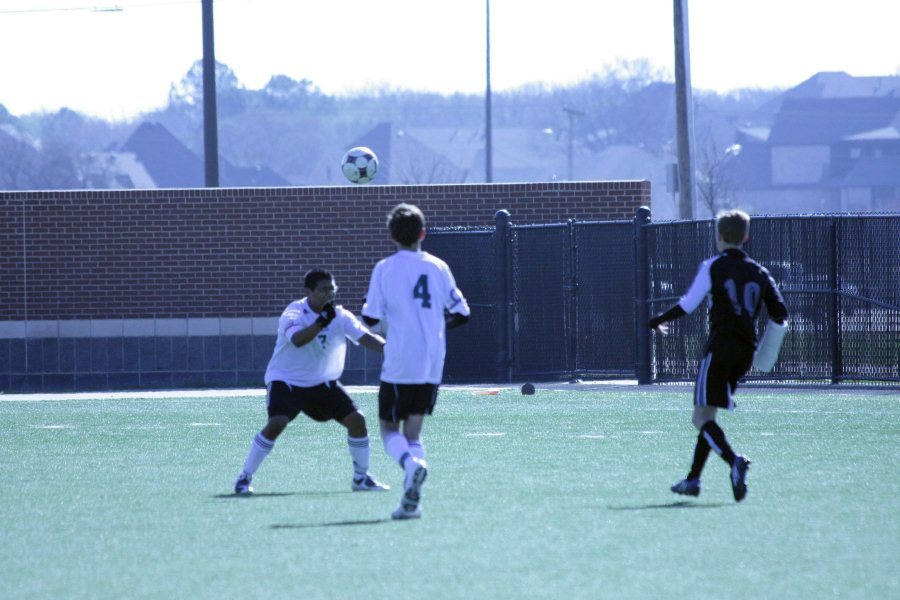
x=171, y=164
x=815, y=121
x=830, y=84
x=752, y=134
x=838, y=84
x=872, y=171
x=620, y=163
x=884, y=133
x=129, y=172
x=520, y=154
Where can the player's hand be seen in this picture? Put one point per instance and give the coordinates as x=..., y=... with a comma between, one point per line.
x=662, y=329
x=326, y=316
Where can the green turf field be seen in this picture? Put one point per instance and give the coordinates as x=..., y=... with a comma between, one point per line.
x=564, y=494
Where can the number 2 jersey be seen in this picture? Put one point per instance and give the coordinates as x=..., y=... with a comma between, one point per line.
x=408, y=293
x=737, y=286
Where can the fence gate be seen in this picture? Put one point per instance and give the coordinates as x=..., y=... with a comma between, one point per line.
x=549, y=302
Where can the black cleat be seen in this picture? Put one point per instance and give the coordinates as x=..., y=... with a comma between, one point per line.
x=687, y=487
x=242, y=486
x=739, y=477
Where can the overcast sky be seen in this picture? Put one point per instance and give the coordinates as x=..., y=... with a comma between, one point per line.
x=121, y=57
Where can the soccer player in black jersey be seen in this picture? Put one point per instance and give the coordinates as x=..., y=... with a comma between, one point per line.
x=738, y=287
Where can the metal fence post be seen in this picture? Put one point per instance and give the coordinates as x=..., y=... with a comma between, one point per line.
x=834, y=305
x=642, y=296
x=503, y=262
x=571, y=288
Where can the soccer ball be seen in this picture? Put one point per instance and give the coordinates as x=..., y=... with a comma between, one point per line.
x=359, y=165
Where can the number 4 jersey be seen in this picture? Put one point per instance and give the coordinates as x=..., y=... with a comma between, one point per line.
x=408, y=293
x=737, y=287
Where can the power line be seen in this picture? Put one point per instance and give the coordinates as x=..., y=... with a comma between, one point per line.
x=95, y=8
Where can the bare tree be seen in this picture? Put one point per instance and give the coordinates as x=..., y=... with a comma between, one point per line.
x=20, y=164
x=49, y=166
x=426, y=167
x=713, y=182
x=417, y=163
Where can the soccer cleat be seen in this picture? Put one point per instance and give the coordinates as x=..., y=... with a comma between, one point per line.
x=414, y=480
x=242, y=486
x=739, y=477
x=367, y=484
x=687, y=487
x=409, y=502
x=400, y=513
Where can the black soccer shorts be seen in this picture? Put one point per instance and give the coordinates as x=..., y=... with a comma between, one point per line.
x=396, y=401
x=321, y=403
x=720, y=370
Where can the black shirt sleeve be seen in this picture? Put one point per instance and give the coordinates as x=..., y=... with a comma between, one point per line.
x=670, y=315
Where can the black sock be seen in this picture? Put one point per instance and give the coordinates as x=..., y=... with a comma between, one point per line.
x=716, y=439
x=701, y=451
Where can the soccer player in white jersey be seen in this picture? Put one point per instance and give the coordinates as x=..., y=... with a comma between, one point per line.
x=413, y=294
x=303, y=373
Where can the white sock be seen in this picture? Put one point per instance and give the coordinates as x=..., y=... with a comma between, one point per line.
x=259, y=450
x=359, y=453
x=397, y=447
x=417, y=448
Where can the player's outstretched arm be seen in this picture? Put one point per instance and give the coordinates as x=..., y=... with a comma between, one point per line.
x=372, y=341
x=658, y=322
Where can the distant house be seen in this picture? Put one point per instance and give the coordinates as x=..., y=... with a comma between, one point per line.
x=154, y=158
x=830, y=144
x=836, y=153
x=420, y=155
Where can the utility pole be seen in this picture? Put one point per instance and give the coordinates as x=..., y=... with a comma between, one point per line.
x=572, y=113
x=684, y=111
x=210, y=120
x=488, y=127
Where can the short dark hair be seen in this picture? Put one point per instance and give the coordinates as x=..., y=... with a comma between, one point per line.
x=733, y=226
x=312, y=278
x=406, y=223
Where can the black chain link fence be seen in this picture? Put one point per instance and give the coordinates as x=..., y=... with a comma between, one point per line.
x=563, y=301
x=472, y=349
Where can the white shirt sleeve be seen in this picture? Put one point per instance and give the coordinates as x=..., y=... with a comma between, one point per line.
x=350, y=325
x=374, y=304
x=699, y=289
x=456, y=303
x=292, y=320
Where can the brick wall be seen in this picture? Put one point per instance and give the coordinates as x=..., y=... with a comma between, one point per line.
x=238, y=252
x=143, y=264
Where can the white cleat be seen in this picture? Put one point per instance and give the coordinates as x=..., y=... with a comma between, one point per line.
x=415, y=478
x=400, y=513
x=367, y=484
x=409, y=503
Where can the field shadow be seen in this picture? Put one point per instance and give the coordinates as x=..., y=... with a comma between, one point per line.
x=275, y=495
x=676, y=504
x=329, y=524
